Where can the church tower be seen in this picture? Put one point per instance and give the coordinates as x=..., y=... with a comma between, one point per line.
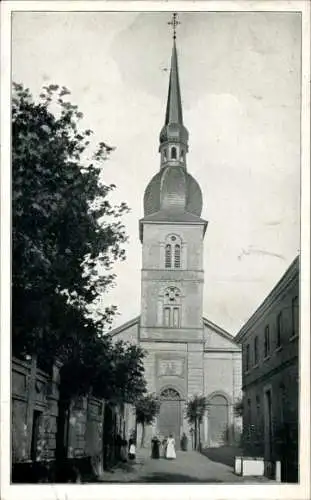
x=186, y=353
x=172, y=234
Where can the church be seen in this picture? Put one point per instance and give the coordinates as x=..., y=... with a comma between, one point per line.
x=187, y=354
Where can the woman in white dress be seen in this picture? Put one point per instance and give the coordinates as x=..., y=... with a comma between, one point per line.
x=170, y=448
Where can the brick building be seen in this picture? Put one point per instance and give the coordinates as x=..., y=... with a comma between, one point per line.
x=270, y=371
x=187, y=353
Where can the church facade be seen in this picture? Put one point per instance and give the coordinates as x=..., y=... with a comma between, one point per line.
x=187, y=354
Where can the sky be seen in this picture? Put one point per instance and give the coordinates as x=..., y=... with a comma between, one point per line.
x=240, y=86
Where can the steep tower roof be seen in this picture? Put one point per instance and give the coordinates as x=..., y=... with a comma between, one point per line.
x=174, y=128
x=173, y=195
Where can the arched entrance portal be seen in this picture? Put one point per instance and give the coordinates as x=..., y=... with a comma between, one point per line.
x=169, y=420
x=218, y=420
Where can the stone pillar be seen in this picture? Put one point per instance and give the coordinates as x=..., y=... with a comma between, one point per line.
x=195, y=369
x=31, y=401
x=184, y=256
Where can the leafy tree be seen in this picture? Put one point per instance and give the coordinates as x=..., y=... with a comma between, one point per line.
x=66, y=237
x=147, y=408
x=66, y=234
x=195, y=411
x=238, y=408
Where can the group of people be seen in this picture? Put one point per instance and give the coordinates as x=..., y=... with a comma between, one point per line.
x=166, y=448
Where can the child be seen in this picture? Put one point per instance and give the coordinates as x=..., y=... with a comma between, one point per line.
x=132, y=449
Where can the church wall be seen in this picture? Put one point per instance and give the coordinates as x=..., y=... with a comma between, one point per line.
x=214, y=339
x=222, y=376
x=129, y=334
x=154, y=241
x=165, y=365
x=218, y=373
x=152, y=302
x=195, y=369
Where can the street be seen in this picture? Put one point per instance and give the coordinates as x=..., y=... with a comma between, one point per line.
x=189, y=467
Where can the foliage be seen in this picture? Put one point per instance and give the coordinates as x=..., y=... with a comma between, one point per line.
x=238, y=408
x=61, y=235
x=147, y=408
x=66, y=237
x=195, y=411
x=114, y=372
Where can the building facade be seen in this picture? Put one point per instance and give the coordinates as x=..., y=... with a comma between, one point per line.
x=49, y=444
x=270, y=367
x=187, y=354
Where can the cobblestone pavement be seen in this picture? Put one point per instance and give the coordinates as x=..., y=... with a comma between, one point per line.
x=189, y=467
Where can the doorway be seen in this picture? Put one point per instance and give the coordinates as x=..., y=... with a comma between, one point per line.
x=268, y=424
x=35, y=434
x=169, y=420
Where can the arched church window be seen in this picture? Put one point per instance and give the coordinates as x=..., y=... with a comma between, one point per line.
x=177, y=256
x=165, y=155
x=182, y=155
x=173, y=252
x=174, y=153
x=170, y=394
x=172, y=307
x=168, y=255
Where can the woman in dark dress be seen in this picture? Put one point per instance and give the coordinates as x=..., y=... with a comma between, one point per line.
x=155, y=448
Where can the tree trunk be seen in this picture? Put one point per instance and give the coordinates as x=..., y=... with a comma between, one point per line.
x=199, y=429
x=142, y=435
x=195, y=434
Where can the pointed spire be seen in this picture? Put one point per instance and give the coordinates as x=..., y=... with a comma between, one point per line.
x=174, y=108
x=174, y=135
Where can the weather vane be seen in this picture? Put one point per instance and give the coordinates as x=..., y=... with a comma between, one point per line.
x=174, y=23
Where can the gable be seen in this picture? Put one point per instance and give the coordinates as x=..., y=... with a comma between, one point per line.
x=216, y=338
x=128, y=332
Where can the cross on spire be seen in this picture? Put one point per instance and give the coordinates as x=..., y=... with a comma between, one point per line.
x=174, y=23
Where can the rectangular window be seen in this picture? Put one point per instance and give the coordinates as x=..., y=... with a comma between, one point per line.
x=258, y=412
x=167, y=316
x=279, y=329
x=249, y=412
x=256, y=350
x=267, y=341
x=176, y=317
x=247, y=363
x=295, y=316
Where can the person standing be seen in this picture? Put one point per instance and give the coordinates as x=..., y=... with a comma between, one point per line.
x=170, y=448
x=155, y=448
x=132, y=449
x=164, y=443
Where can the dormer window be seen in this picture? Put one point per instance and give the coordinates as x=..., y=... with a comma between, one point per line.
x=174, y=153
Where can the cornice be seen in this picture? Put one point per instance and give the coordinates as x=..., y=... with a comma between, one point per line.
x=290, y=275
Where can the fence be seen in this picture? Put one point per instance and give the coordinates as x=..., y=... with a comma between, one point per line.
x=53, y=440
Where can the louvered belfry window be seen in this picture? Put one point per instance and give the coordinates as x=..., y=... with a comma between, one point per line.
x=177, y=256
x=168, y=256
x=173, y=252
